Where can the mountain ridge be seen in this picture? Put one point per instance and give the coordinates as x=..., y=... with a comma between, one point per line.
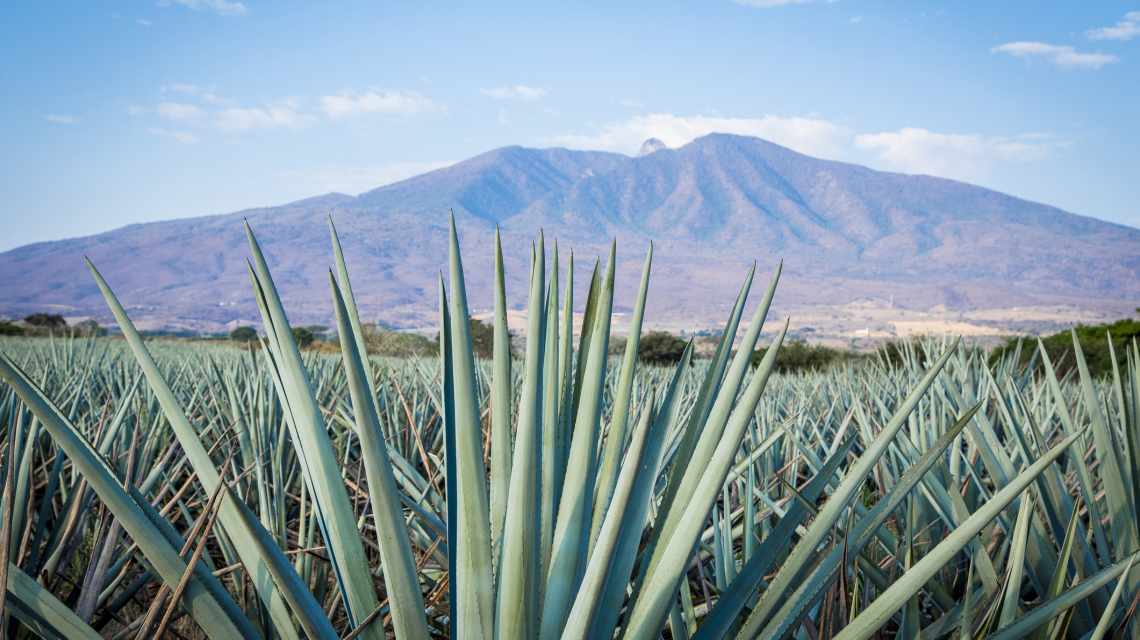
x=712, y=206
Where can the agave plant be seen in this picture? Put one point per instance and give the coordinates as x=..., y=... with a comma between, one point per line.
x=154, y=489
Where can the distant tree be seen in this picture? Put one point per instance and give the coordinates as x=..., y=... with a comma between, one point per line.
x=89, y=328
x=381, y=341
x=660, y=348
x=243, y=334
x=482, y=338
x=1094, y=345
x=318, y=330
x=796, y=355
x=9, y=329
x=49, y=321
x=303, y=336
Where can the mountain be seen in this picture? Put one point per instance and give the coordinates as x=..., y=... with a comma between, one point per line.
x=846, y=233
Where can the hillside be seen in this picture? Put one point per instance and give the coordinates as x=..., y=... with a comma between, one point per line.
x=847, y=233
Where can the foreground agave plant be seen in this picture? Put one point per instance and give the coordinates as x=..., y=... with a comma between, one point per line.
x=287, y=495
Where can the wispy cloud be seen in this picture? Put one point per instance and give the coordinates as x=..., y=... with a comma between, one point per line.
x=514, y=92
x=144, y=22
x=61, y=118
x=1061, y=55
x=202, y=109
x=1125, y=29
x=815, y=136
x=283, y=114
x=220, y=7
x=964, y=156
x=179, y=111
x=397, y=102
x=202, y=94
x=185, y=137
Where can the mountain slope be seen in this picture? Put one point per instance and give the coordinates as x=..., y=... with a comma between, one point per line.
x=712, y=207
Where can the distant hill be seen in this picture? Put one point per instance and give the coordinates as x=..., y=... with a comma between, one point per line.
x=847, y=233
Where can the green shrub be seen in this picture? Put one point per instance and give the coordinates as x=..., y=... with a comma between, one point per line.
x=243, y=334
x=9, y=329
x=89, y=329
x=304, y=336
x=49, y=321
x=796, y=356
x=398, y=344
x=1094, y=344
x=660, y=348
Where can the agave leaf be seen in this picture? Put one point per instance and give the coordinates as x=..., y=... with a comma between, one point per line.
x=569, y=548
x=833, y=509
x=703, y=404
x=718, y=416
x=473, y=606
x=624, y=553
x=615, y=437
x=200, y=460
x=517, y=611
x=883, y=607
x=638, y=460
x=965, y=623
x=1016, y=565
x=501, y=396
x=726, y=613
x=400, y=579
x=41, y=612
x=550, y=460
x=334, y=513
x=447, y=414
x=861, y=535
x=1110, y=610
x=218, y=618
x=1121, y=513
x=1053, y=607
x=660, y=583
x=1085, y=480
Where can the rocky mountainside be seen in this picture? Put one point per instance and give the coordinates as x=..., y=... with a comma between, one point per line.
x=712, y=207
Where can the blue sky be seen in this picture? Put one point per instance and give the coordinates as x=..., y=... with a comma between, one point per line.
x=122, y=112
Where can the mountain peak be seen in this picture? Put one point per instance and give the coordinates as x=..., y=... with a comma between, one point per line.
x=651, y=145
x=713, y=205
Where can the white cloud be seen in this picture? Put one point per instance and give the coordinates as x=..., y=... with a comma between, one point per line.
x=1060, y=55
x=809, y=135
x=855, y=19
x=179, y=111
x=184, y=137
x=515, y=92
x=284, y=114
x=144, y=22
x=220, y=7
x=963, y=156
x=200, y=93
x=354, y=180
x=398, y=102
x=61, y=118
x=1125, y=29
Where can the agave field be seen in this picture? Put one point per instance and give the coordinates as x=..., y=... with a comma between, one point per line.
x=160, y=490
